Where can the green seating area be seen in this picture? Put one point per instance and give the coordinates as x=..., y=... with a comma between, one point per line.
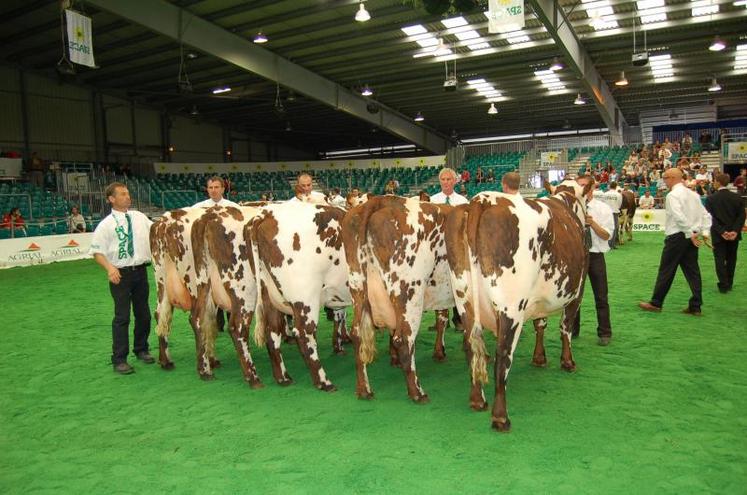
x=498, y=163
x=47, y=214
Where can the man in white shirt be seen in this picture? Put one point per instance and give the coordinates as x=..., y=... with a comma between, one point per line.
x=215, y=189
x=121, y=245
x=335, y=199
x=447, y=177
x=646, y=202
x=510, y=183
x=614, y=199
x=599, y=224
x=305, y=190
x=686, y=220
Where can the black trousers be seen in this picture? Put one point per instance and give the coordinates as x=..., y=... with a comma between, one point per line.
x=131, y=291
x=598, y=279
x=725, y=255
x=678, y=251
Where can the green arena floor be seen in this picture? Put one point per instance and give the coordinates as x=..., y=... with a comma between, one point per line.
x=663, y=409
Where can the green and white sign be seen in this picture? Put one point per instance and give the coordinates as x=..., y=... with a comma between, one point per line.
x=505, y=15
x=79, y=38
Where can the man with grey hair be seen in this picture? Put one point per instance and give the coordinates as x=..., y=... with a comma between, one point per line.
x=447, y=177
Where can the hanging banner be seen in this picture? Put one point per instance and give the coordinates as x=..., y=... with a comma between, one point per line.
x=737, y=152
x=549, y=158
x=79, y=38
x=505, y=15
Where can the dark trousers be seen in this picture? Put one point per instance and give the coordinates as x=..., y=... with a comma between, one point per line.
x=725, y=255
x=614, y=241
x=598, y=279
x=132, y=290
x=678, y=251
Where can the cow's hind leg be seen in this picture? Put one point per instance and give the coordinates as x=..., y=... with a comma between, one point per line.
x=163, y=316
x=566, y=324
x=305, y=319
x=239, y=323
x=362, y=336
x=539, y=358
x=439, y=350
x=340, y=333
x=509, y=330
x=474, y=347
x=404, y=342
x=393, y=353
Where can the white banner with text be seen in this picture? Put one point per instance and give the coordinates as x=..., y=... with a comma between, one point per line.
x=25, y=251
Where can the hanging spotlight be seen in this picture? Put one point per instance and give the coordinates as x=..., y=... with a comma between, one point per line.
x=492, y=110
x=366, y=91
x=224, y=89
x=194, y=111
x=715, y=86
x=717, y=45
x=579, y=100
x=419, y=117
x=260, y=38
x=291, y=96
x=622, y=81
x=566, y=124
x=362, y=15
x=288, y=127
x=556, y=64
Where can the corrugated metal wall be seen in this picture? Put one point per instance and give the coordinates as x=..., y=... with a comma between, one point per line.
x=11, y=123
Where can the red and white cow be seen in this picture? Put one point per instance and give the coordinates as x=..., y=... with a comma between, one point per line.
x=202, y=262
x=627, y=212
x=396, y=252
x=300, y=267
x=514, y=259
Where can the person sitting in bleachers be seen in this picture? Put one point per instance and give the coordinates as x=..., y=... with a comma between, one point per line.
x=465, y=176
x=14, y=221
x=390, y=188
x=686, y=144
x=478, y=176
x=741, y=181
x=491, y=176
x=76, y=222
x=646, y=202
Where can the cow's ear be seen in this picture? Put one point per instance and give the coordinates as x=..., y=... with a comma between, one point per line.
x=549, y=188
x=588, y=187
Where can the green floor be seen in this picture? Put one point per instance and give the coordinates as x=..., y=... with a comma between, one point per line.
x=662, y=410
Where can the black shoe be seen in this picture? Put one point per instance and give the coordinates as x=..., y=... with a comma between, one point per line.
x=723, y=290
x=693, y=312
x=604, y=341
x=123, y=369
x=145, y=357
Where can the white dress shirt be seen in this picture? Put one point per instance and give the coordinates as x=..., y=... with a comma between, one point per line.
x=685, y=212
x=455, y=199
x=614, y=200
x=646, y=202
x=313, y=197
x=338, y=200
x=602, y=214
x=210, y=203
x=110, y=243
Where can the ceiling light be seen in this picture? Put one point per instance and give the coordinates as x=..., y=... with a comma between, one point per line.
x=704, y=7
x=362, y=15
x=366, y=91
x=260, y=38
x=419, y=117
x=622, y=81
x=579, y=100
x=567, y=124
x=715, y=86
x=224, y=89
x=717, y=45
x=194, y=111
x=740, y=57
x=556, y=64
x=467, y=35
x=192, y=55
x=476, y=81
x=454, y=22
x=492, y=110
x=288, y=127
x=414, y=29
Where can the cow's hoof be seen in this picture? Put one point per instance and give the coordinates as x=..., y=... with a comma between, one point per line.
x=439, y=357
x=394, y=363
x=539, y=362
x=327, y=387
x=167, y=366
x=568, y=366
x=207, y=377
x=284, y=382
x=478, y=405
x=501, y=424
x=365, y=395
x=340, y=351
x=214, y=363
x=421, y=399
x=256, y=384
x=346, y=339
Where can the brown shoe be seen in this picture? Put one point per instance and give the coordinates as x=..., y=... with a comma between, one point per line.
x=693, y=312
x=647, y=306
x=145, y=357
x=123, y=369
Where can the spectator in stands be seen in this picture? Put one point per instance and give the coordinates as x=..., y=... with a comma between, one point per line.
x=465, y=177
x=36, y=170
x=741, y=181
x=335, y=199
x=270, y=196
x=14, y=221
x=646, y=202
x=686, y=144
x=76, y=222
x=728, y=215
x=215, y=190
x=263, y=197
x=352, y=197
x=478, y=176
x=463, y=190
x=491, y=176
x=706, y=140
x=305, y=190
x=390, y=188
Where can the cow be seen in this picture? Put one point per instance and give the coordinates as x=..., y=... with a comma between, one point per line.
x=396, y=254
x=627, y=212
x=513, y=259
x=202, y=262
x=300, y=267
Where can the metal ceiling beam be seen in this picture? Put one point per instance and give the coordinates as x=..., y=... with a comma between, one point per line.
x=177, y=23
x=551, y=14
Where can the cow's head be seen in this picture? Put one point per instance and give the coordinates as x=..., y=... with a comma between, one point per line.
x=575, y=193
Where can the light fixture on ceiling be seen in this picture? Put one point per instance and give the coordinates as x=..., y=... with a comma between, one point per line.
x=366, y=90
x=194, y=111
x=566, y=124
x=717, y=45
x=222, y=89
x=556, y=64
x=260, y=38
x=362, y=15
x=622, y=81
x=291, y=96
x=288, y=127
x=579, y=100
x=419, y=117
x=192, y=55
x=715, y=86
x=492, y=110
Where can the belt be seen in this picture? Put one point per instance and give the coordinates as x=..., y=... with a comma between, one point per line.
x=133, y=268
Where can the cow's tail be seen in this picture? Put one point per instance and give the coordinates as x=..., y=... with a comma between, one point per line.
x=260, y=327
x=367, y=334
x=479, y=362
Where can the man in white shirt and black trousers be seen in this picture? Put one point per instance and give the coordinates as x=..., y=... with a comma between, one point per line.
x=121, y=245
x=215, y=189
x=686, y=220
x=600, y=224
